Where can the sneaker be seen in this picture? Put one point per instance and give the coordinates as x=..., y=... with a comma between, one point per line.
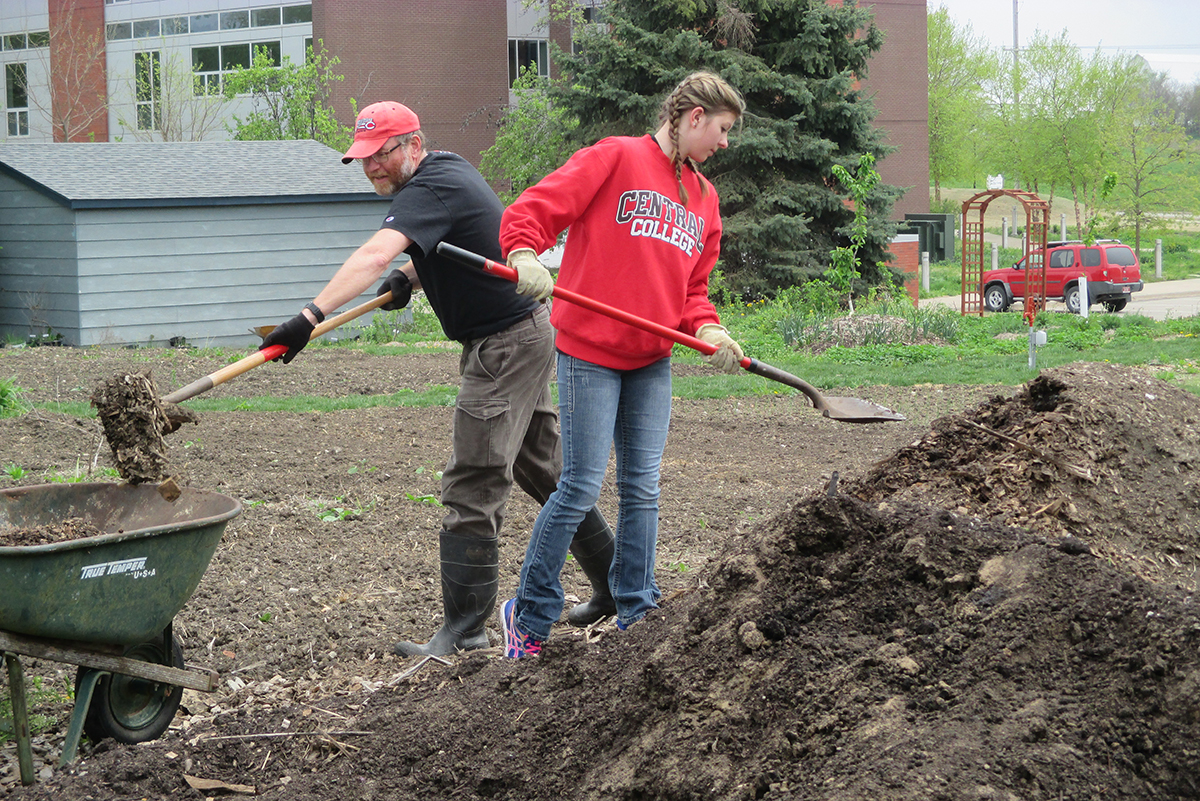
x=516, y=644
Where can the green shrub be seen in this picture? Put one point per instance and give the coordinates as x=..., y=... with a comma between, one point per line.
x=11, y=402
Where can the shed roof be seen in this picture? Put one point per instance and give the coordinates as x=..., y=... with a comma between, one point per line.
x=116, y=174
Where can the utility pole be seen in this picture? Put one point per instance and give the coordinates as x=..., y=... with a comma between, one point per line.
x=1016, y=83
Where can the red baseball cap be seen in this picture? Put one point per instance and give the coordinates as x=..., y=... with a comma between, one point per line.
x=378, y=123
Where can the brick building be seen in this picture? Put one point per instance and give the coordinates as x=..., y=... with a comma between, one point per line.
x=450, y=60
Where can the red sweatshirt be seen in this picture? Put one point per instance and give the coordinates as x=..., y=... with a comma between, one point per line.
x=632, y=245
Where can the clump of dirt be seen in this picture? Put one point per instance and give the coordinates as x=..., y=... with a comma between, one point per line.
x=954, y=624
x=71, y=528
x=134, y=422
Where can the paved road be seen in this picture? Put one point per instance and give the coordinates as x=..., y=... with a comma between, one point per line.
x=1159, y=300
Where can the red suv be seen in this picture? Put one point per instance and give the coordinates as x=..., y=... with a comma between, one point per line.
x=1112, y=271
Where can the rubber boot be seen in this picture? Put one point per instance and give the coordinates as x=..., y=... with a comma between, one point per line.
x=470, y=578
x=593, y=549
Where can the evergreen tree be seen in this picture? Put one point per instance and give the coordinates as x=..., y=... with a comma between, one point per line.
x=797, y=63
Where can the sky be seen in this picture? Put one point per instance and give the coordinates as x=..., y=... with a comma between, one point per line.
x=1164, y=32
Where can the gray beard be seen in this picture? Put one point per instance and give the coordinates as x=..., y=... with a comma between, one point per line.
x=407, y=170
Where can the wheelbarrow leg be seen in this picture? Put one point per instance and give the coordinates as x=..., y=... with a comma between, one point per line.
x=16, y=692
x=83, y=701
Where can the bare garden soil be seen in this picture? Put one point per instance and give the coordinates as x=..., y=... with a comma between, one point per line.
x=995, y=599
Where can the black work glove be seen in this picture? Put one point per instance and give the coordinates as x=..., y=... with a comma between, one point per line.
x=294, y=333
x=401, y=288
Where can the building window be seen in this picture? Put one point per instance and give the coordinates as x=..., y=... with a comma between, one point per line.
x=206, y=70
x=147, y=66
x=295, y=15
x=203, y=23
x=260, y=17
x=174, y=25
x=235, y=57
x=39, y=39
x=119, y=30
x=528, y=53
x=15, y=41
x=144, y=28
x=16, y=98
x=235, y=20
x=274, y=51
x=210, y=63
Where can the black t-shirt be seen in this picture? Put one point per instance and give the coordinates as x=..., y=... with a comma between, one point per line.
x=447, y=200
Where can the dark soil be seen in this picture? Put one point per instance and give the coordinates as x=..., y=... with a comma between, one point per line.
x=991, y=600
x=134, y=421
x=71, y=528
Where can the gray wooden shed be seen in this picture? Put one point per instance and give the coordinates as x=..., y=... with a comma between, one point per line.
x=113, y=243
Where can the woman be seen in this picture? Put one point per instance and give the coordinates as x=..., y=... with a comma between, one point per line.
x=645, y=233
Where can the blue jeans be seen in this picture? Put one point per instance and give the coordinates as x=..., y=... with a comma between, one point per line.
x=601, y=408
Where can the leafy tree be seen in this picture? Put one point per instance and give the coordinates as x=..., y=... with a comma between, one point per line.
x=532, y=142
x=177, y=112
x=1153, y=146
x=805, y=113
x=289, y=101
x=73, y=58
x=1066, y=129
x=844, y=268
x=961, y=64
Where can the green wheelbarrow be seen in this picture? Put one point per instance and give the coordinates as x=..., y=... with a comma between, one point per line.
x=106, y=603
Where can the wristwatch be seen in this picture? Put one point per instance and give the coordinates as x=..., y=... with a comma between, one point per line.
x=316, y=310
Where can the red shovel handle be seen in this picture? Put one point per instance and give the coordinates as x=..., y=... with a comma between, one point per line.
x=504, y=271
x=848, y=410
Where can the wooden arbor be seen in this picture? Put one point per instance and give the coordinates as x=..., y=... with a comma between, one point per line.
x=1037, y=215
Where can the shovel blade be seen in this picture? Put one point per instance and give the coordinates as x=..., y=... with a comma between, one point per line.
x=845, y=410
x=857, y=410
x=262, y=330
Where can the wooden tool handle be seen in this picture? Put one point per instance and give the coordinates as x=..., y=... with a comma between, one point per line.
x=269, y=353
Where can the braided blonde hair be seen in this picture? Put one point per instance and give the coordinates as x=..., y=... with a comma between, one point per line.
x=710, y=92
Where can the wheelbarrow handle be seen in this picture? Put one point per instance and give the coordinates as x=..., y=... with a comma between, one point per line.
x=850, y=410
x=270, y=353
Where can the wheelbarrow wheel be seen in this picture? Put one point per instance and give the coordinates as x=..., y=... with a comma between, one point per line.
x=133, y=710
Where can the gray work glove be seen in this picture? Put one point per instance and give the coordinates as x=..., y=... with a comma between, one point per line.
x=533, y=279
x=728, y=356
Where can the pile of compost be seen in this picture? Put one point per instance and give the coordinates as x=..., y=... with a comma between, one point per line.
x=1002, y=609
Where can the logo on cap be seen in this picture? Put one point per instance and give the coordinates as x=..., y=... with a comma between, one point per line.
x=367, y=124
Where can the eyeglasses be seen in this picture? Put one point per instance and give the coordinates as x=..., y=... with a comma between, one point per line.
x=382, y=156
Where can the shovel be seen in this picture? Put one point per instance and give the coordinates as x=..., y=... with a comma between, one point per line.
x=267, y=354
x=847, y=410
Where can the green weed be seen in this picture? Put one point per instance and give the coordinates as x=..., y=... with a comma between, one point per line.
x=428, y=500
x=341, y=508
x=39, y=694
x=11, y=402
x=15, y=472
x=414, y=323
x=76, y=476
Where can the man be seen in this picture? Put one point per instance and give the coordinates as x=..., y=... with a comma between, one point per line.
x=505, y=426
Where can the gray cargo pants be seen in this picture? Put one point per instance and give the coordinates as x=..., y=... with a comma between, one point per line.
x=505, y=426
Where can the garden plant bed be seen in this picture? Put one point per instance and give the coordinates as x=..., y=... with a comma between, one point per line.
x=993, y=599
